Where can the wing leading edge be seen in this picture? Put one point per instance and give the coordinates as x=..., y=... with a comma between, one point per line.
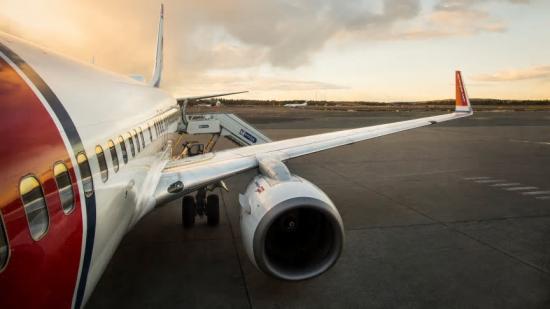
x=195, y=172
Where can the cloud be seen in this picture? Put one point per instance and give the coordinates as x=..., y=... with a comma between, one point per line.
x=532, y=73
x=219, y=35
x=280, y=33
x=466, y=21
x=295, y=85
x=458, y=18
x=292, y=31
x=257, y=83
x=464, y=4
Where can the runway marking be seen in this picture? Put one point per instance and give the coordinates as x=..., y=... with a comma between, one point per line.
x=536, y=193
x=521, y=188
x=530, y=142
x=509, y=184
x=476, y=178
x=489, y=180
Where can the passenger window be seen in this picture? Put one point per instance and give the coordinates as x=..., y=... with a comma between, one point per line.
x=34, y=203
x=150, y=132
x=114, y=154
x=123, y=149
x=142, y=138
x=131, y=141
x=64, y=187
x=102, y=163
x=85, y=173
x=137, y=140
x=4, y=251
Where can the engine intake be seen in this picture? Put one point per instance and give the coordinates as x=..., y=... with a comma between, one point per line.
x=291, y=230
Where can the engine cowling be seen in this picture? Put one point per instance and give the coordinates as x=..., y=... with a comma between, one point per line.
x=290, y=228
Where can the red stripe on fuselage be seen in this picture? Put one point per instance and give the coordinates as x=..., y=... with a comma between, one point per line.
x=39, y=273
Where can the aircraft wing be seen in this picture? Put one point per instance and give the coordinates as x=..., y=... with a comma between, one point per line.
x=186, y=175
x=208, y=96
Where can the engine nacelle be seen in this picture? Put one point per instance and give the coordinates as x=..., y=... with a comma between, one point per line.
x=290, y=228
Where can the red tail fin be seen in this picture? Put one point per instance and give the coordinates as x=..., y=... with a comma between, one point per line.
x=462, y=100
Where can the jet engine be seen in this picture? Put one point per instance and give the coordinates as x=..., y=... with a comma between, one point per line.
x=290, y=228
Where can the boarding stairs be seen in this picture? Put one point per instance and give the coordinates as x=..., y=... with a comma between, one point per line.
x=225, y=125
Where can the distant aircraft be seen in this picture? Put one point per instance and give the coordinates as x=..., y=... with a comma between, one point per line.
x=86, y=154
x=292, y=105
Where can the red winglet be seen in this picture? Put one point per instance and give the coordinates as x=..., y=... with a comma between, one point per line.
x=462, y=100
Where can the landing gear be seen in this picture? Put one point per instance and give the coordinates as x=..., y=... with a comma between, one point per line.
x=201, y=205
x=200, y=199
x=188, y=211
x=213, y=210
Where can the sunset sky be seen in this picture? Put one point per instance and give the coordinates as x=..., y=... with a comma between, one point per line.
x=381, y=50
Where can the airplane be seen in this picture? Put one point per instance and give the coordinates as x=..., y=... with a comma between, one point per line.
x=87, y=153
x=292, y=105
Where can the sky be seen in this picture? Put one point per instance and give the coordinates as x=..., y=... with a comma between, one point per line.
x=353, y=50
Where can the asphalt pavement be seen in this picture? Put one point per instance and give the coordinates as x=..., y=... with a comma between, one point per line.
x=455, y=215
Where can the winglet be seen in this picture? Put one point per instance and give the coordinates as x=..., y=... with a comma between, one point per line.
x=462, y=100
x=157, y=71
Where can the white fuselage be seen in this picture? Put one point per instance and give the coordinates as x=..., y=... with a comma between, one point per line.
x=104, y=106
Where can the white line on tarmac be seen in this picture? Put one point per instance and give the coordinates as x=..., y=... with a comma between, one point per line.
x=521, y=188
x=536, y=193
x=476, y=178
x=530, y=142
x=489, y=180
x=543, y=197
x=510, y=184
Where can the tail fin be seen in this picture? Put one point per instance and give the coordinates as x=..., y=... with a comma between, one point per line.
x=462, y=99
x=157, y=71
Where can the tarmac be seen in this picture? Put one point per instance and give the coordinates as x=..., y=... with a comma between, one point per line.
x=455, y=215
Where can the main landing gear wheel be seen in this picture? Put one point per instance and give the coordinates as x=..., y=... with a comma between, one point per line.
x=200, y=205
x=213, y=210
x=188, y=211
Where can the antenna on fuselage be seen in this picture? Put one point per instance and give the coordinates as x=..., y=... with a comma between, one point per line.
x=157, y=71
